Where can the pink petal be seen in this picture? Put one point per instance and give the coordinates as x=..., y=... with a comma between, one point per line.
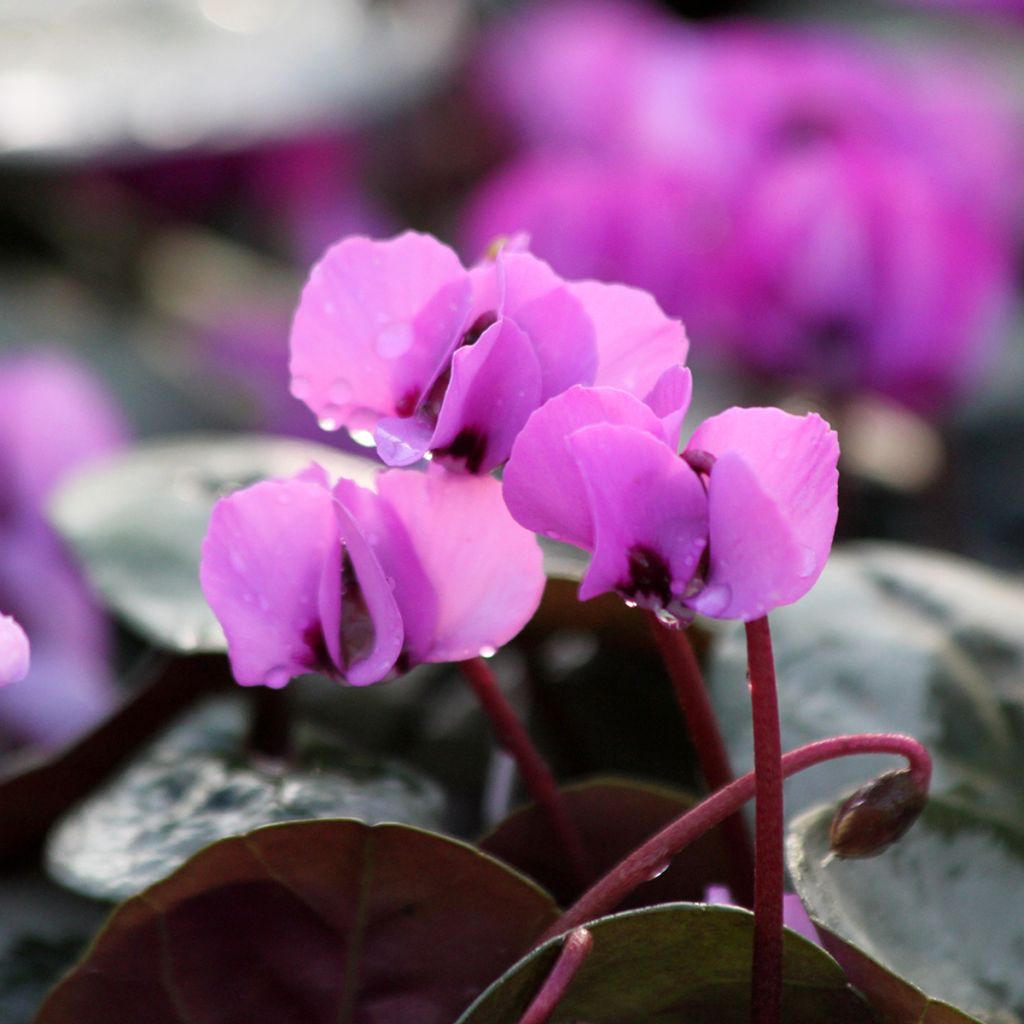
x=375, y=322
x=486, y=571
x=772, y=499
x=669, y=400
x=361, y=622
x=262, y=561
x=543, y=305
x=636, y=341
x=543, y=487
x=387, y=536
x=14, y=654
x=649, y=512
x=495, y=385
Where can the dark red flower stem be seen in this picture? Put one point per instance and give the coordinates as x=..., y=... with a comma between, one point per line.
x=537, y=777
x=576, y=948
x=769, y=828
x=702, y=724
x=270, y=723
x=608, y=892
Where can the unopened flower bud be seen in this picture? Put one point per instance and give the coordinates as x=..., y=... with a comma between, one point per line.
x=876, y=815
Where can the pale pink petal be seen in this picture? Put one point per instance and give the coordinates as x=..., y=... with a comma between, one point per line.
x=375, y=321
x=773, y=501
x=562, y=333
x=649, y=512
x=486, y=571
x=14, y=654
x=262, y=560
x=636, y=341
x=543, y=487
x=669, y=399
x=389, y=539
x=495, y=385
x=361, y=621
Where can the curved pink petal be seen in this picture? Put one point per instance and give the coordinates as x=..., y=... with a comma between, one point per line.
x=636, y=341
x=387, y=536
x=650, y=516
x=542, y=484
x=262, y=561
x=361, y=622
x=375, y=321
x=14, y=653
x=495, y=385
x=486, y=571
x=772, y=497
x=543, y=305
x=669, y=400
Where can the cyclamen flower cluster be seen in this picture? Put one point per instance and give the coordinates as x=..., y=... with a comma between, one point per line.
x=580, y=387
x=810, y=206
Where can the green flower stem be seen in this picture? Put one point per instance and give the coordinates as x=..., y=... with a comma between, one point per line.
x=537, y=777
x=576, y=948
x=769, y=827
x=692, y=696
x=650, y=858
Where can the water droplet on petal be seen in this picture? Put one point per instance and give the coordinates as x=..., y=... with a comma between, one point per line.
x=278, y=676
x=808, y=563
x=340, y=391
x=364, y=438
x=666, y=618
x=301, y=388
x=394, y=340
x=630, y=603
x=488, y=651
x=326, y=423
x=715, y=598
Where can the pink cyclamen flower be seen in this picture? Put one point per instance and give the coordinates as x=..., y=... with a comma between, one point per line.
x=742, y=523
x=794, y=916
x=13, y=651
x=361, y=584
x=397, y=338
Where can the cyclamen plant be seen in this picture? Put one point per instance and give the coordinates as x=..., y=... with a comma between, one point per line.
x=580, y=387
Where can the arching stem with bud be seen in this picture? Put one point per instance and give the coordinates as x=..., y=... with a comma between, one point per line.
x=609, y=891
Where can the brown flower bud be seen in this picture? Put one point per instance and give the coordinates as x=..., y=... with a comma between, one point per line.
x=876, y=815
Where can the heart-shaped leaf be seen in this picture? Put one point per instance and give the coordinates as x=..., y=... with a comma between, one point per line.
x=136, y=522
x=894, y=639
x=196, y=784
x=677, y=962
x=316, y=922
x=614, y=816
x=942, y=910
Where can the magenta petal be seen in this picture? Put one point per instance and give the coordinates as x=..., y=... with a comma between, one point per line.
x=772, y=498
x=364, y=632
x=543, y=305
x=375, y=321
x=262, y=560
x=649, y=512
x=669, y=399
x=486, y=572
x=495, y=385
x=14, y=655
x=636, y=341
x=543, y=487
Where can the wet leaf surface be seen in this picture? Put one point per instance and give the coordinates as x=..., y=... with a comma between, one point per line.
x=198, y=784
x=894, y=639
x=320, y=922
x=678, y=962
x=942, y=910
x=136, y=522
x=614, y=816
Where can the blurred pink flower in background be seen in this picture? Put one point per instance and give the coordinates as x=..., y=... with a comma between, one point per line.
x=56, y=417
x=14, y=652
x=816, y=206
